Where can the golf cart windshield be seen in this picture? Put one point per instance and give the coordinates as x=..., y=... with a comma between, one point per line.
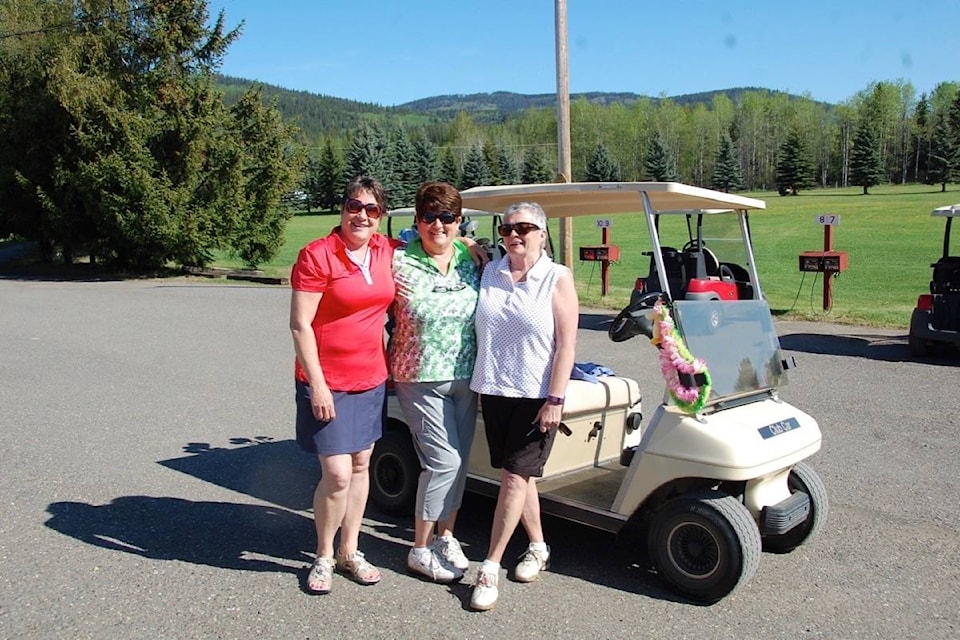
x=741, y=350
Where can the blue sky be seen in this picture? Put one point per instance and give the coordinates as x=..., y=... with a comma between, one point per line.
x=391, y=52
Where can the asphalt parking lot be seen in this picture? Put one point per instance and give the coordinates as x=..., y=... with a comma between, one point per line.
x=151, y=488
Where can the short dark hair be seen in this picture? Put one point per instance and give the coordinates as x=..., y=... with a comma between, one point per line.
x=439, y=195
x=365, y=183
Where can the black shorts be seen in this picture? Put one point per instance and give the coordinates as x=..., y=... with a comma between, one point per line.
x=515, y=443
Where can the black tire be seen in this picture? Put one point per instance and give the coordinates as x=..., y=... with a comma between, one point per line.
x=802, y=478
x=705, y=544
x=394, y=473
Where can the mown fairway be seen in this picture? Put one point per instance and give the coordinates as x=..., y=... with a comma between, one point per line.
x=890, y=237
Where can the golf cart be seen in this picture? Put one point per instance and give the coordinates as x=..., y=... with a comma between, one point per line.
x=936, y=317
x=708, y=484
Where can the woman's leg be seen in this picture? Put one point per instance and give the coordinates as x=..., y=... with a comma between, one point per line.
x=356, y=501
x=330, y=500
x=511, y=503
x=531, y=513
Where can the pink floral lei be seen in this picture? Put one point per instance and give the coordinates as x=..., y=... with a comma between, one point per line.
x=676, y=359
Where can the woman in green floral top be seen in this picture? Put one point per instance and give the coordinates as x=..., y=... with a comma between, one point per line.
x=432, y=352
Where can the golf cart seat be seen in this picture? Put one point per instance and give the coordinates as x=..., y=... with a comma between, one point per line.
x=946, y=276
x=673, y=261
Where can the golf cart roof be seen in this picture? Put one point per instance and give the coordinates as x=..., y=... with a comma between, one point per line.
x=570, y=199
x=948, y=211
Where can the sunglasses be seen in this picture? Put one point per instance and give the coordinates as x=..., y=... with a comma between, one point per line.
x=522, y=228
x=355, y=206
x=446, y=217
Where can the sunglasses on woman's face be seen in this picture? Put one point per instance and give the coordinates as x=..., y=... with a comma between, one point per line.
x=446, y=217
x=354, y=206
x=522, y=228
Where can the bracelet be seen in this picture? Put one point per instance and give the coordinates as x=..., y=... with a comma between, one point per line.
x=555, y=400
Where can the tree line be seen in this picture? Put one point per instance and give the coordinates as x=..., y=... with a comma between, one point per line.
x=119, y=141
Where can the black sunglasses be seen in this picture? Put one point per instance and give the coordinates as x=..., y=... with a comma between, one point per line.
x=446, y=217
x=522, y=228
x=353, y=205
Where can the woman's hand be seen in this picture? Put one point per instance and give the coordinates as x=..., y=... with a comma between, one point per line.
x=321, y=399
x=477, y=251
x=549, y=416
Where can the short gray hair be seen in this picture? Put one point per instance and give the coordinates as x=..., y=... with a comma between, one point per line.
x=539, y=216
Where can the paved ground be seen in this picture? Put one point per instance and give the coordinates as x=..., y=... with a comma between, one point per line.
x=150, y=488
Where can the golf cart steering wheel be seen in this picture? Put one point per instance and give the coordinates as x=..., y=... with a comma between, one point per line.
x=633, y=320
x=710, y=262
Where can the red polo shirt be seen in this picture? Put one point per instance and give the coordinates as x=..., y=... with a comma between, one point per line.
x=351, y=314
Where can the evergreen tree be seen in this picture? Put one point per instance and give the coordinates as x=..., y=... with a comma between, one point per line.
x=953, y=128
x=921, y=139
x=942, y=162
x=114, y=141
x=794, y=167
x=427, y=161
x=507, y=165
x=330, y=179
x=866, y=165
x=449, y=169
x=404, y=170
x=493, y=166
x=369, y=154
x=475, y=170
x=726, y=168
x=535, y=170
x=601, y=167
x=659, y=166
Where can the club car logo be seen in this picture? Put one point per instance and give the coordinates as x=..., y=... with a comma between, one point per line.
x=777, y=428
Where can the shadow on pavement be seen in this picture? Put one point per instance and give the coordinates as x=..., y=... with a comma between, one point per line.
x=872, y=346
x=596, y=321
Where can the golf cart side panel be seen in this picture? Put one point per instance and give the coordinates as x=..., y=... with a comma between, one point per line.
x=596, y=413
x=740, y=443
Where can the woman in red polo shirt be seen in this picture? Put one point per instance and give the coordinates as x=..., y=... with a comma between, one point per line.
x=342, y=285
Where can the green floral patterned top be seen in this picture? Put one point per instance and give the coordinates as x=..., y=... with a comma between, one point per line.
x=433, y=339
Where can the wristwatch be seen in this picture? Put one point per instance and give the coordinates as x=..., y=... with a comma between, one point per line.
x=555, y=400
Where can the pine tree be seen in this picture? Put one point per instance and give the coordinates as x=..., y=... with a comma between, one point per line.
x=368, y=154
x=601, y=167
x=726, y=170
x=941, y=162
x=794, y=166
x=507, y=165
x=535, y=169
x=449, y=168
x=404, y=170
x=475, y=170
x=330, y=179
x=866, y=165
x=493, y=166
x=425, y=154
x=659, y=166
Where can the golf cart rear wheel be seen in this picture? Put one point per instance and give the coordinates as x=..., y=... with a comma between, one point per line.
x=394, y=473
x=705, y=544
x=802, y=478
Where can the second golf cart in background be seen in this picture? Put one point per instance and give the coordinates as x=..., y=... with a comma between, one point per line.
x=709, y=488
x=936, y=318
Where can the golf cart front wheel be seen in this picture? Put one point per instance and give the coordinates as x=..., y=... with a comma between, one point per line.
x=705, y=544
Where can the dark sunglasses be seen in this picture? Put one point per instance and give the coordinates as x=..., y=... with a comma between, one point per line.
x=522, y=228
x=355, y=206
x=446, y=217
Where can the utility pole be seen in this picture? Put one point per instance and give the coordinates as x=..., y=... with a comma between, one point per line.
x=564, y=171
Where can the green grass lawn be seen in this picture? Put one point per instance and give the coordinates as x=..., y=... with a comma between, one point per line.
x=890, y=237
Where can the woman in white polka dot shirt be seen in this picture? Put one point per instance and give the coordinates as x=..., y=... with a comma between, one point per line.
x=526, y=324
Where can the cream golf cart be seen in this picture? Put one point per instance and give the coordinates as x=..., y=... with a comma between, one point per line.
x=718, y=474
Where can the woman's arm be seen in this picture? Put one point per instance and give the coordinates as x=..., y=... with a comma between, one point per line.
x=303, y=309
x=566, y=317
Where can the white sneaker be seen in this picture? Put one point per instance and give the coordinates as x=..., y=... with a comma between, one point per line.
x=485, y=592
x=532, y=562
x=430, y=565
x=451, y=551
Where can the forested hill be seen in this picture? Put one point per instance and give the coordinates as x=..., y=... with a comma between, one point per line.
x=317, y=115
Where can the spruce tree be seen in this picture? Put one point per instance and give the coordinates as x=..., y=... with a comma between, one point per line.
x=404, y=170
x=794, y=166
x=449, y=171
x=427, y=161
x=369, y=154
x=330, y=179
x=726, y=169
x=601, y=167
x=866, y=165
x=941, y=162
x=507, y=165
x=535, y=170
x=659, y=166
x=475, y=170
